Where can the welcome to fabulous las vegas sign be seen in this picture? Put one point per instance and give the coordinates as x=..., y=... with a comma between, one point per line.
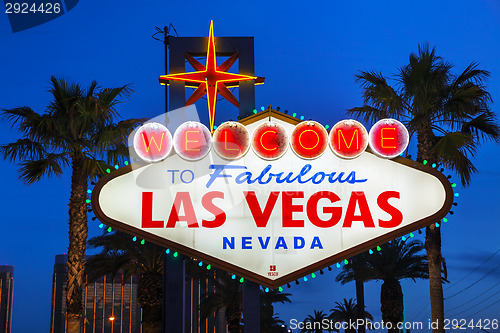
x=271, y=198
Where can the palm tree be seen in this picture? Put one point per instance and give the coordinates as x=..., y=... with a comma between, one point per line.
x=272, y=325
x=347, y=312
x=228, y=298
x=315, y=323
x=120, y=254
x=450, y=115
x=357, y=270
x=269, y=321
x=397, y=260
x=77, y=131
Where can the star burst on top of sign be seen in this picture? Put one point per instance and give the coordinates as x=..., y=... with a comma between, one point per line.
x=211, y=79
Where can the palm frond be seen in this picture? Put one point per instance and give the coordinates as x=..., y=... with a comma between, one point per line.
x=471, y=74
x=112, y=134
x=463, y=103
x=453, y=150
x=34, y=170
x=367, y=113
x=379, y=94
x=399, y=260
x=94, y=167
x=23, y=149
x=483, y=127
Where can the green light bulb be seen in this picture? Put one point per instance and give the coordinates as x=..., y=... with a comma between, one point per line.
x=209, y=267
x=280, y=289
x=241, y=280
x=176, y=254
x=313, y=275
x=143, y=242
x=109, y=229
x=379, y=248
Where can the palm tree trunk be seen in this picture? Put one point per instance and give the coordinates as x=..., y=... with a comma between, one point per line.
x=432, y=242
x=233, y=318
x=360, y=300
x=148, y=324
x=78, y=231
x=391, y=299
x=149, y=296
x=433, y=248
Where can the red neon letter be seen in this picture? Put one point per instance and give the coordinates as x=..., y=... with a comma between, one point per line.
x=343, y=136
x=312, y=139
x=182, y=199
x=231, y=140
x=261, y=217
x=147, y=212
x=262, y=143
x=289, y=208
x=194, y=147
x=147, y=142
x=354, y=134
x=309, y=139
x=358, y=198
x=396, y=215
x=220, y=216
x=270, y=140
x=226, y=147
x=312, y=209
x=388, y=138
x=382, y=138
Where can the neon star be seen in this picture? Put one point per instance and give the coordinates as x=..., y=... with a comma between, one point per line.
x=210, y=79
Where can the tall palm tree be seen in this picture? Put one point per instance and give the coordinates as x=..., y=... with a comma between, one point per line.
x=347, y=312
x=314, y=323
x=119, y=254
x=228, y=297
x=449, y=114
x=396, y=261
x=357, y=270
x=76, y=131
x=269, y=321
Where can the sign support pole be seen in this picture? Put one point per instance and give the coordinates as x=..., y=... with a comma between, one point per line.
x=251, y=307
x=173, y=294
x=173, y=303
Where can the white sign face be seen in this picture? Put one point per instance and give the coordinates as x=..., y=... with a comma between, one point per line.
x=273, y=221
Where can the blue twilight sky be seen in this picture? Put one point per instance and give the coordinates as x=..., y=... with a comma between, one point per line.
x=309, y=53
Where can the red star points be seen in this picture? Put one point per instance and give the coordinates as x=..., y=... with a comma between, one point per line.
x=211, y=80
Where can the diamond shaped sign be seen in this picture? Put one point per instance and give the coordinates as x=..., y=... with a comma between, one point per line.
x=272, y=220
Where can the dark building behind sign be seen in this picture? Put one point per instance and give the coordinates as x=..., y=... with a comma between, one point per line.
x=6, y=296
x=108, y=298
